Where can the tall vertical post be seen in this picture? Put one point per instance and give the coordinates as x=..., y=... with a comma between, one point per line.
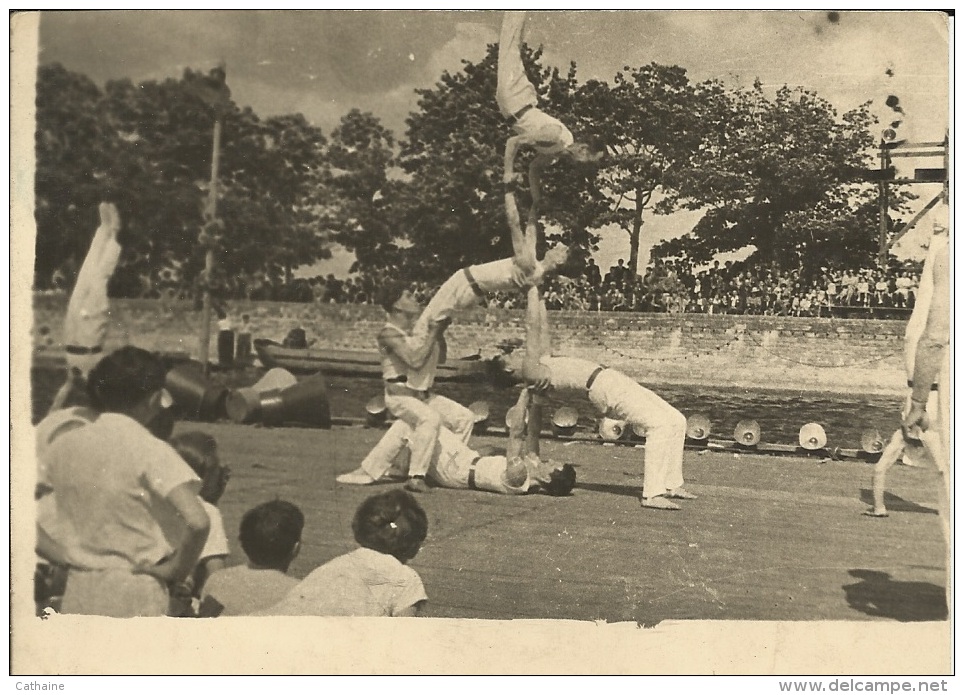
x=210, y=215
x=883, y=199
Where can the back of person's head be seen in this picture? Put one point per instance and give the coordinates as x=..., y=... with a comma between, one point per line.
x=124, y=378
x=388, y=294
x=561, y=481
x=271, y=533
x=200, y=451
x=392, y=523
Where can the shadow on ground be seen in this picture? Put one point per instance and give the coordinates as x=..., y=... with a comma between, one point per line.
x=624, y=490
x=894, y=503
x=879, y=595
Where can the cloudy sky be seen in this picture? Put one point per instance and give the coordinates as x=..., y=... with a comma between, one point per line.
x=323, y=63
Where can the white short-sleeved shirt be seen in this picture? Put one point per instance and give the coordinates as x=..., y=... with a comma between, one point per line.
x=217, y=542
x=363, y=582
x=545, y=133
x=569, y=373
x=505, y=275
x=243, y=590
x=452, y=463
x=110, y=482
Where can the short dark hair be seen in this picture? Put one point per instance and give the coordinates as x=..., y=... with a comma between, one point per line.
x=198, y=449
x=561, y=481
x=388, y=294
x=392, y=523
x=124, y=378
x=269, y=533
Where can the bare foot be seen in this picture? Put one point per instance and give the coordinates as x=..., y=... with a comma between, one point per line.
x=109, y=218
x=658, y=502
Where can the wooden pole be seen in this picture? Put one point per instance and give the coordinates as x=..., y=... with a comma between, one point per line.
x=210, y=215
x=882, y=196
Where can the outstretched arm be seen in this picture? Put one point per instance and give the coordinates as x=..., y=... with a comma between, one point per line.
x=523, y=243
x=413, y=357
x=538, y=165
x=516, y=423
x=537, y=340
x=511, y=149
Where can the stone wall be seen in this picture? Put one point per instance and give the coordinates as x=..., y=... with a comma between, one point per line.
x=831, y=355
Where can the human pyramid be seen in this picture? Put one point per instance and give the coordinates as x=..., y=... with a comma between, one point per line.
x=435, y=430
x=127, y=516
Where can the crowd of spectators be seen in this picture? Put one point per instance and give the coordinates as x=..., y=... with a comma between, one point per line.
x=676, y=286
x=680, y=286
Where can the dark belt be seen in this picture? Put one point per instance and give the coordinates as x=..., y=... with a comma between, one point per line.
x=472, y=466
x=473, y=284
x=592, y=377
x=514, y=118
x=910, y=385
x=415, y=393
x=78, y=350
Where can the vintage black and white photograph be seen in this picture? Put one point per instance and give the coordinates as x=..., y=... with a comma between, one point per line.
x=482, y=342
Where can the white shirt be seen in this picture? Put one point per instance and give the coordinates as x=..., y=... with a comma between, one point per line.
x=505, y=275
x=110, y=482
x=363, y=582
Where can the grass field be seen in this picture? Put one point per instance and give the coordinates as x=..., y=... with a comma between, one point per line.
x=770, y=538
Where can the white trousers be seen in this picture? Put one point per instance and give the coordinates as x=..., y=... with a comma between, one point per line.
x=513, y=89
x=455, y=295
x=617, y=396
x=426, y=416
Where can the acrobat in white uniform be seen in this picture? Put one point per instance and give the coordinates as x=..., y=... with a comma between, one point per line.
x=615, y=395
x=930, y=451
x=87, y=319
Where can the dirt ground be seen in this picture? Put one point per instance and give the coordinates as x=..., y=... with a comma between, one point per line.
x=772, y=571
x=770, y=537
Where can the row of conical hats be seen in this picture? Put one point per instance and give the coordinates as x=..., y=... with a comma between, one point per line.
x=811, y=436
x=565, y=420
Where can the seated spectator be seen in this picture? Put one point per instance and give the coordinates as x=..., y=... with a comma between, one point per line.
x=200, y=451
x=902, y=296
x=881, y=295
x=375, y=579
x=863, y=288
x=270, y=537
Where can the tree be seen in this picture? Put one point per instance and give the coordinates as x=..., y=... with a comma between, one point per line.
x=160, y=163
x=273, y=200
x=270, y=218
x=359, y=157
x=653, y=121
x=450, y=207
x=778, y=175
x=72, y=156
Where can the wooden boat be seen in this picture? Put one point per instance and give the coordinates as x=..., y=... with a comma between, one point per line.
x=368, y=363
